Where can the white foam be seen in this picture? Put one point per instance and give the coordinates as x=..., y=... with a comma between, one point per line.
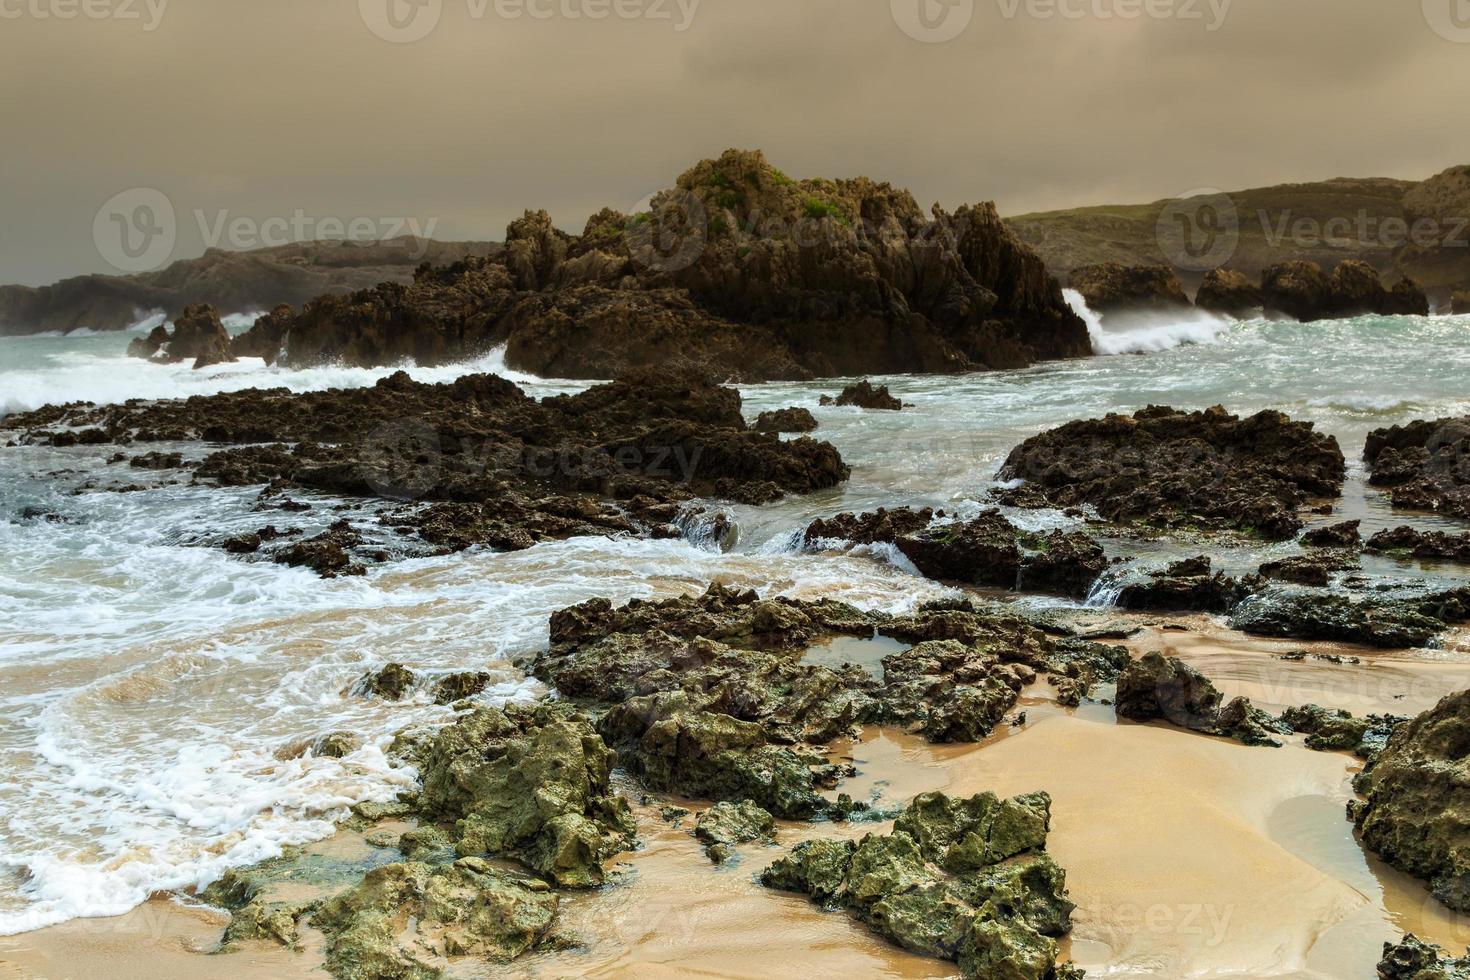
x=1147, y=332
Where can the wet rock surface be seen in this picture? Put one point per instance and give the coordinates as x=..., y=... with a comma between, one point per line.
x=726, y=824
x=1335, y=730
x=786, y=420
x=966, y=880
x=1189, y=584
x=987, y=550
x=1230, y=293
x=1344, y=535
x=864, y=394
x=1415, y=811
x=1157, y=687
x=1302, y=290
x=1168, y=468
x=1416, y=960
x=198, y=336
x=1422, y=544
x=1371, y=621
x=1424, y=465
x=736, y=269
x=1109, y=287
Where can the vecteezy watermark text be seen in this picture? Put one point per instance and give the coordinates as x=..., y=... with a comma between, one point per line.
x=406, y=21
x=936, y=21
x=149, y=13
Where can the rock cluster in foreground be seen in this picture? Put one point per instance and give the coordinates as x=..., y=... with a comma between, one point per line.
x=967, y=880
x=738, y=270
x=1424, y=465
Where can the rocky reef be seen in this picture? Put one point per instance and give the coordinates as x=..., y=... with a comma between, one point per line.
x=738, y=270
x=1168, y=468
x=967, y=880
x=1415, y=811
x=1424, y=465
x=1434, y=545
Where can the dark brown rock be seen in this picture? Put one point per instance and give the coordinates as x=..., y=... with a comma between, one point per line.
x=1423, y=544
x=1157, y=687
x=265, y=336
x=1344, y=535
x=1109, y=287
x=1230, y=293
x=786, y=420
x=1424, y=465
x=1299, y=289
x=865, y=395
x=199, y=336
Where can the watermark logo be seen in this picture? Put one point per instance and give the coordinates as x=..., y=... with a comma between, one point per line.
x=1199, y=230
x=401, y=21
x=403, y=459
x=668, y=231
x=932, y=21
x=135, y=231
x=1450, y=19
x=148, y=13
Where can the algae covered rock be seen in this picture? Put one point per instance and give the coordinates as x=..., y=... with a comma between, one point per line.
x=1416, y=808
x=962, y=880
x=406, y=921
x=1335, y=730
x=726, y=824
x=1416, y=960
x=528, y=783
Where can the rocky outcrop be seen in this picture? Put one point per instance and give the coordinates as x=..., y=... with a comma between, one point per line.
x=1344, y=535
x=863, y=394
x=1229, y=293
x=1162, y=688
x=987, y=550
x=1433, y=545
x=1190, y=584
x=1112, y=288
x=265, y=336
x=1299, y=289
x=198, y=335
x=1303, y=291
x=1371, y=621
x=1168, y=468
x=1424, y=465
x=1334, y=730
x=1316, y=567
x=233, y=282
x=483, y=463
x=738, y=270
x=786, y=420
x=966, y=880
x=1415, y=960
x=726, y=824
x=1415, y=811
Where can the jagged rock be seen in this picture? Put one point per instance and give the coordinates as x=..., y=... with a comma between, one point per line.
x=265, y=337
x=1230, y=293
x=786, y=420
x=1415, y=812
x=1416, y=960
x=962, y=880
x=457, y=687
x=199, y=335
x=1302, y=290
x=737, y=270
x=1344, y=535
x=1374, y=622
x=1156, y=687
x=391, y=683
x=336, y=745
x=329, y=554
x=1330, y=730
x=726, y=824
x=1423, y=544
x=1109, y=287
x=406, y=920
x=987, y=550
x=1189, y=584
x=1169, y=468
x=864, y=395
x=1314, y=568
x=1425, y=465
x=147, y=347
x=528, y=783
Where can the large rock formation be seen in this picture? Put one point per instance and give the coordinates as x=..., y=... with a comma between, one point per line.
x=1160, y=688
x=198, y=335
x=1229, y=292
x=1416, y=808
x=1424, y=465
x=1109, y=287
x=967, y=880
x=737, y=269
x=1169, y=468
x=233, y=282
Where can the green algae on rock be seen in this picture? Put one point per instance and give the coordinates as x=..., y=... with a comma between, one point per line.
x=1335, y=730
x=726, y=824
x=1416, y=960
x=527, y=783
x=1416, y=808
x=961, y=880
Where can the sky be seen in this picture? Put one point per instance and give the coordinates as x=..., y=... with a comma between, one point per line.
x=134, y=132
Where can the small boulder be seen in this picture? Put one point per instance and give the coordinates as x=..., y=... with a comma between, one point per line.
x=865, y=395
x=726, y=824
x=786, y=420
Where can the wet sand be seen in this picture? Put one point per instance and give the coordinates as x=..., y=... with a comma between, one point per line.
x=1187, y=856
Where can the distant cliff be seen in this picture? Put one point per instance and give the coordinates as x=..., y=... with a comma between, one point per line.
x=1401, y=228
x=235, y=282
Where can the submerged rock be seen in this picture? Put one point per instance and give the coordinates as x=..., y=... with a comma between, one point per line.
x=1416, y=960
x=962, y=880
x=527, y=783
x=391, y=683
x=1168, y=468
x=864, y=395
x=1424, y=465
x=1156, y=687
x=1415, y=811
x=1109, y=287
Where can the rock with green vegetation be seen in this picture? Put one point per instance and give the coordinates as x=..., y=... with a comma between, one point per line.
x=457, y=687
x=962, y=880
x=336, y=745
x=1335, y=730
x=1371, y=621
x=1416, y=960
x=726, y=824
x=1160, y=688
x=1415, y=811
x=391, y=683
x=527, y=783
x=408, y=921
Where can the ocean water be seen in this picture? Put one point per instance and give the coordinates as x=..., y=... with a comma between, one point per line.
x=154, y=692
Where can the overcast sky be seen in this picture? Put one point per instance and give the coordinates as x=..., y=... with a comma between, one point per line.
x=318, y=112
